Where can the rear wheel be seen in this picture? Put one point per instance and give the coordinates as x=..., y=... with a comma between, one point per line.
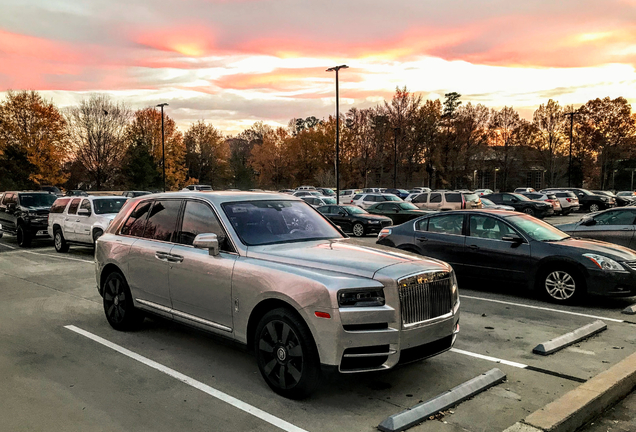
x=286, y=354
x=59, y=241
x=594, y=208
x=358, y=229
x=529, y=211
x=118, y=304
x=23, y=237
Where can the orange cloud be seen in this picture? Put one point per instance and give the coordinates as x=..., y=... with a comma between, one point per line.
x=189, y=41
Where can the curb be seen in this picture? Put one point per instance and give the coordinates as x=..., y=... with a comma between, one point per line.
x=417, y=414
x=578, y=406
x=630, y=310
x=570, y=338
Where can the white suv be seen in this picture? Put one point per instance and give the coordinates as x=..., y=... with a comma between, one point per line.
x=367, y=200
x=81, y=220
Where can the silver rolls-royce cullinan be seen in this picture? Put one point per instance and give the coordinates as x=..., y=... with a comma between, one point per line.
x=269, y=271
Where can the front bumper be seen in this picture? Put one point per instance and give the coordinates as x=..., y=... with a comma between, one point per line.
x=612, y=283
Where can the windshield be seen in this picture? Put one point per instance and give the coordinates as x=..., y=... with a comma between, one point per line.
x=108, y=205
x=621, y=194
x=585, y=192
x=329, y=200
x=536, y=229
x=407, y=206
x=328, y=192
x=37, y=200
x=270, y=222
x=521, y=197
x=471, y=197
x=487, y=202
x=355, y=210
x=392, y=198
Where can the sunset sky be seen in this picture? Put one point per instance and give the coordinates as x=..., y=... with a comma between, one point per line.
x=235, y=62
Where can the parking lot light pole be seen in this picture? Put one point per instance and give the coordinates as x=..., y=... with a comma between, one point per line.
x=336, y=69
x=395, y=133
x=571, y=115
x=495, y=186
x=163, y=148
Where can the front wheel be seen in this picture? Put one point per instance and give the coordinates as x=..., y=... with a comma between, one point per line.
x=562, y=285
x=23, y=237
x=286, y=354
x=358, y=229
x=594, y=208
x=97, y=234
x=118, y=304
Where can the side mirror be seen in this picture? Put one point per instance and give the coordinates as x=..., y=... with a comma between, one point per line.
x=207, y=241
x=342, y=214
x=580, y=194
x=512, y=239
x=514, y=200
x=11, y=206
x=84, y=213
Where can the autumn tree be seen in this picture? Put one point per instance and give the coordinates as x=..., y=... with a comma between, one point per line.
x=33, y=133
x=207, y=154
x=98, y=136
x=504, y=127
x=471, y=131
x=271, y=159
x=548, y=139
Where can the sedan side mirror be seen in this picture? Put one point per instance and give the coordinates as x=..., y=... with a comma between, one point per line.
x=512, y=239
x=342, y=214
x=588, y=222
x=207, y=241
x=514, y=200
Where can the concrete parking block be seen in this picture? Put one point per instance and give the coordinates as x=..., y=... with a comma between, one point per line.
x=577, y=407
x=420, y=412
x=630, y=310
x=570, y=338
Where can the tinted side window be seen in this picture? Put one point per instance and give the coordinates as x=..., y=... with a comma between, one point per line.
x=617, y=217
x=86, y=205
x=421, y=225
x=422, y=198
x=162, y=220
x=447, y=224
x=198, y=218
x=59, y=205
x=381, y=206
x=436, y=198
x=136, y=222
x=72, y=209
x=453, y=197
x=357, y=197
x=489, y=228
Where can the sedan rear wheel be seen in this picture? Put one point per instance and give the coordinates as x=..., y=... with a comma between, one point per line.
x=529, y=211
x=358, y=229
x=286, y=354
x=562, y=285
x=594, y=208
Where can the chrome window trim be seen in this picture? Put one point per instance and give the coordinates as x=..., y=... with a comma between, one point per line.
x=184, y=315
x=223, y=226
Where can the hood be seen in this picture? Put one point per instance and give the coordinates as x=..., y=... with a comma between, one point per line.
x=337, y=256
x=610, y=250
x=108, y=216
x=371, y=216
x=543, y=203
x=37, y=209
x=568, y=228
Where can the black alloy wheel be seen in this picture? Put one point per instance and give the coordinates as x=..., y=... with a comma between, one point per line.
x=23, y=237
x=118, y=304
x=594, y=208
x=358, y=229
x=59, y=242
x=529, y=211
x=286, y=354
x=97, y=234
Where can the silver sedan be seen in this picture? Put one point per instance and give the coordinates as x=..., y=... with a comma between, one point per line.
x=269, y=271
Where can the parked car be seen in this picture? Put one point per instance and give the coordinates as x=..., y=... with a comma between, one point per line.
x=371, y=190
x=366, y=200
x=524, y=189
x=400, y=193
x=621, y=201
x=420, y=189
x=318, y=201
x=411, y=196
x=303, y=193
x=286, y=191
x=545, y=197
x=305, y=188
x=587, y=200
x=346, y=196
x=482, y=192
x=75, y=192
x=81, y=220
x=24, y=214
x=489, y=205
x=197, y=188
x=327, y=192
x=613, y=226
x=516, y=248
x=538, y=209
x=353, y=219
x=627, y=194
x=135, y=194
x=447, y=200
x=568, y=200
x=52, y=189
x=299, y=295
x=399, y=212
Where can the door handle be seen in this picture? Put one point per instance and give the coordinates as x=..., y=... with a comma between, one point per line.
x=163, y=256
x=473, y=247
x=175, y=258
x=422, y=239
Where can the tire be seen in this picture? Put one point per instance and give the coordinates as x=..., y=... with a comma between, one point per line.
x=358, y=229
x=118, y=304
x=23, y=237
x=562, y=285
x=529, y=211
x=97, y=234
x=1, y=234
x=59, y=242
x=565, y=213
x=286, y=354
x=594, y=208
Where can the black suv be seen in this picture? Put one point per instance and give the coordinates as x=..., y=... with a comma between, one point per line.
x=534, y=208
x=588, y=200
x=25, y=214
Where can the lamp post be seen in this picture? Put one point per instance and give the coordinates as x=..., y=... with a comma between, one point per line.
x=336, y=69
x=395, y=134
x=495, y=186
x=163, y=148
x=571, y=115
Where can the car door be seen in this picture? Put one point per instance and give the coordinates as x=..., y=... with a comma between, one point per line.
x=71, y=220
x=488, y=256
x=442, y=237
x=201, y=284
x=368, y=201
x=154, y=226
x=7, y=218
x=84, y=222
x=340, y=217
x=434, y=201
x=614, y=226
x=420, y=201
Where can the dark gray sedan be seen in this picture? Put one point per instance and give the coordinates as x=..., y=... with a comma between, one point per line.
x=614, y=226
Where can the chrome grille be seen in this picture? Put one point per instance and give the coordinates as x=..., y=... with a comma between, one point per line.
x=631, y=264
x=424, y=296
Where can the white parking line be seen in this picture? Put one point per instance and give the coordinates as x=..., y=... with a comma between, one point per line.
x=492, y=359
x=59, y=256
x=543, y=308
x=275, y=421
x=7, y=246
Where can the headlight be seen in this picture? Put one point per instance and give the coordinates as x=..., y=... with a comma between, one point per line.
x=604, y=263
x=361, y=298
x=454, y=289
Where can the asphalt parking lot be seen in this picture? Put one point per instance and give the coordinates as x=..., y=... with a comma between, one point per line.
x=64, y=368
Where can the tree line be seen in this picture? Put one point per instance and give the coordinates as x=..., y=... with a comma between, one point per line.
x=101, y=144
